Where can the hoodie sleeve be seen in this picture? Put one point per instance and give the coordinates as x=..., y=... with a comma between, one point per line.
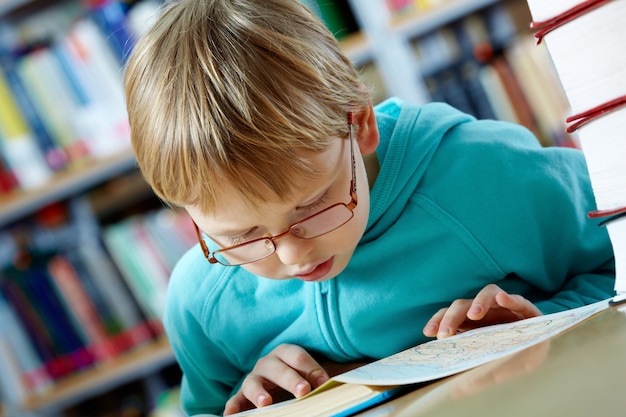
x=209, y=374
x=527, y=206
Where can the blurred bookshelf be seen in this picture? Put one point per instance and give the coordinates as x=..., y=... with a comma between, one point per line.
x=478, y=55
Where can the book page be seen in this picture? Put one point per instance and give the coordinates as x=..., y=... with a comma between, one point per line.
x=330, y=400
x=440, y=358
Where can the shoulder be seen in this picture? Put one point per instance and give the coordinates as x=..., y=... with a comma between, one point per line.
x=195, y=285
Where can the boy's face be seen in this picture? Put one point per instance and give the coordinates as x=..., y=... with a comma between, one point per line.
x=235, y=220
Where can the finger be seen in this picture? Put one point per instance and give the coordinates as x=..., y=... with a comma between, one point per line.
x=271, y=372
x=432, y=326
x=288, y=367
x=256, y=389
x=302, y=362
x=453, y=318
x=484, y=300
x=517, y=304
x=237, y=403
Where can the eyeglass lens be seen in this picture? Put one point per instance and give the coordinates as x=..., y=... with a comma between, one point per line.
x=317, y=225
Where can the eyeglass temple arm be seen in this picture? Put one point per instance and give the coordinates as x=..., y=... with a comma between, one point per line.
x=201, y=241
x=351, y=133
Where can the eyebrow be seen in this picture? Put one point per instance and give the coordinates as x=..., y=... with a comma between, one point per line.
x=332, y=172
x=239, y=231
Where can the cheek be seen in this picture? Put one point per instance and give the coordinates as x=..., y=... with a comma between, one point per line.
x=270, y=268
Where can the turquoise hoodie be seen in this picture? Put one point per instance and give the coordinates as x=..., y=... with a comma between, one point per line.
x=457, y=204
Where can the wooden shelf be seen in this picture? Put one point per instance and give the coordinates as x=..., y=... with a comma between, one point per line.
x=91, y=172
x=138, y=363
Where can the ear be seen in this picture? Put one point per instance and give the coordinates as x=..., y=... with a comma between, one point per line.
x=367, y=129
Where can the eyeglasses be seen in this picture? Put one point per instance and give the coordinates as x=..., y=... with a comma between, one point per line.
x=318, y=224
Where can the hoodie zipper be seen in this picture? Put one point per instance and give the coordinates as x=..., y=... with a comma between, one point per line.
x=332, y=339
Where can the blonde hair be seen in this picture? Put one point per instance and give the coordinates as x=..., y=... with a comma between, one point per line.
x=222, y=90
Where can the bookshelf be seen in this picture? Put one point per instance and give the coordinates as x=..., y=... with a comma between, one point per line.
x=141, y=362
x=20, y=203
x=69, y=213
x=389, y=48
x=502, y=86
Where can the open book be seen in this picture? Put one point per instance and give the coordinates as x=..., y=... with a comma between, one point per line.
x=359, y=389
x=585, y=39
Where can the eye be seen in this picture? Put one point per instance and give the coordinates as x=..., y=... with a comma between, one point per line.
x=243, y=237
x=320, y=202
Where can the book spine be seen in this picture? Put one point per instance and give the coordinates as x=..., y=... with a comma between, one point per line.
x=53, y=154
x=62, y=91
x=89, y=49
x=19, y=145
x=66, y=340
x=11, y=391
x=33, y=374
x=110, y=16
x=81, y=309
x=90, y=116
x=105, y=279
x=136, y=272
x=171, y=233
x=38, y=333
x=31, y=69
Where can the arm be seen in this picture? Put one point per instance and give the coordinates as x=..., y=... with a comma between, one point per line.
x=527, y=207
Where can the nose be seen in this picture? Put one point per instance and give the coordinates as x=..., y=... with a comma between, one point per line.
x=291, y=249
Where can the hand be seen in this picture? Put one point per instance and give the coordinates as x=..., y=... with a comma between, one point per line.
x=492, y=305
x=288, y=369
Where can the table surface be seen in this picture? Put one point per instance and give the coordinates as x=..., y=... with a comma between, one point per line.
x=577, y=373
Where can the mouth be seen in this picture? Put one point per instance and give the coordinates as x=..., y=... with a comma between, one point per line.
x=317, y=273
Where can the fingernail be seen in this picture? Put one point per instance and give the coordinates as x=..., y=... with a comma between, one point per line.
x=301, y=387
x=443, y=332
x=261, y=400
x=321, y=380
x=430, y=328
x=474, y=310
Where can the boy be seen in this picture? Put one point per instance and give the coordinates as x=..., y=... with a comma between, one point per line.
x=334, y=232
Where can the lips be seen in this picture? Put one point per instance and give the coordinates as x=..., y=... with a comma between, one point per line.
x=317, y=273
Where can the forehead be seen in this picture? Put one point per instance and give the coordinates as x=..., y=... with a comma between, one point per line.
x=235, y=211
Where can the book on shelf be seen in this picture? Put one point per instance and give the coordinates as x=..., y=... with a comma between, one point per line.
x=52, y=152
x=536, y=76
x=32, y=375
x=88, y=47
x=145, y=248
x=71, y=230
x=10, y=392
x=18, y=144
x=44, y=321
x=81, y=309
x=111, y=18
x=379, y=381
x=69, y=89
x=49, y=92
x=104, y=277
x=66, y=296
x=137, y=270
x=586, y=40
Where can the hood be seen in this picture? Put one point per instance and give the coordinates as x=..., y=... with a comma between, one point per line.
x=409, y=138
